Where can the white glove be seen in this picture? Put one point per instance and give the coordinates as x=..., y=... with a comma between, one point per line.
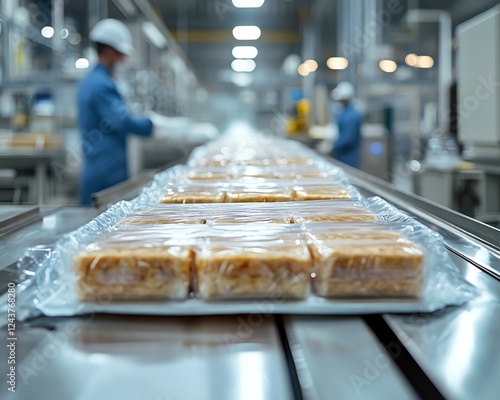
x=167, y=127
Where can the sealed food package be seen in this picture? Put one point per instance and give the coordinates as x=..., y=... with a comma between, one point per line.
x=228, y=269
x=249, y=171
x=163, y=215
x=249, y=219
x=210, y=173
x=286, y=172
x=332, y=211
x=258, y=195
x=153, y=263
x=137, y=273
x=371, y=263
x=321, y=192
x=167, y=214
x=193, y=194
x=248, y=193
x=153, y=220
x=335, y=215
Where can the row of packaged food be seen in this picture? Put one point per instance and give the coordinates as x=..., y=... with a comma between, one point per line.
x=295, y=227
x=248, y=192
x=246, y=261
x=252, y=150
x=240, y=213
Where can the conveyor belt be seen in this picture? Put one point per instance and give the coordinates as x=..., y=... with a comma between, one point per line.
x=450, y=353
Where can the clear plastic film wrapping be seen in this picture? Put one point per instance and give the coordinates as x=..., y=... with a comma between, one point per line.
x=192, y=253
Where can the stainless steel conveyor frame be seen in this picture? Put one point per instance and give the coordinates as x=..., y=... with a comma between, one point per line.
x=448, y=354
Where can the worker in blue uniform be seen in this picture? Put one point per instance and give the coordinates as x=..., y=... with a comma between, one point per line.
x=347, y=147
x=103, y=118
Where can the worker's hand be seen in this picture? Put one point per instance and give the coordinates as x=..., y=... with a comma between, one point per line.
x=168, y=127
x=155, y=118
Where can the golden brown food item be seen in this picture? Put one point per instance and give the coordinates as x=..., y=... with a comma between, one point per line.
x=270, y=272
x=296, y=161
x=208, y=162
x=201, y=175
x=193, y=197
x=248, y=196
x=360, y=266
x=365, y=235
x=249, y=219
x=302, y=175
x=135, y=273
x=324, y=193
x=340, y=217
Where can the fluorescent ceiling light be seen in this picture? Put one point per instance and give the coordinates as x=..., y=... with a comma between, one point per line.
x=425, y=62
x=154, y=35
x=304, y=70
x=337, y=63
x=248, y=3
x=47, y=32
x=388, y=66
x=411, y=59
x=243, y=65
x=245, y=52
x=311, y=64
x=82, y=63
x=246, y=32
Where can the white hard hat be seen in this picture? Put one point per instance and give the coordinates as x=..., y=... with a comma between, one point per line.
x=113, y=33
x=343, y=91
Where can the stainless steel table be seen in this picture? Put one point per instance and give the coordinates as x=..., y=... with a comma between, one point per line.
x=35, y=162
x=448, y=354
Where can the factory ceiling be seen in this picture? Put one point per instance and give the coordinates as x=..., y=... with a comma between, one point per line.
x=204, y=30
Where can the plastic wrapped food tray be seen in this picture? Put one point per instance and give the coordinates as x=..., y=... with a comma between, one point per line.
x=50, y=284
x=320, y=256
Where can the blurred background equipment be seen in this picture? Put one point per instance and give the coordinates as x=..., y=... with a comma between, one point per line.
x=420, y=80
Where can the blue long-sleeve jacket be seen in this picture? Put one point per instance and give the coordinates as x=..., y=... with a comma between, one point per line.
x=104, y=122
x=347, y=147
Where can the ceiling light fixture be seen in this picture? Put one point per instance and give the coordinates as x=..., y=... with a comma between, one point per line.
x=239, y=65
x=425, y=62
x=82, y=63
x=337, y=63
x=388, y=66
x=47, y=32
x=411, y=59
x=304, y=70
x=245, y=52
x=312, y=65
x=246, y=32
x=248, y=3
